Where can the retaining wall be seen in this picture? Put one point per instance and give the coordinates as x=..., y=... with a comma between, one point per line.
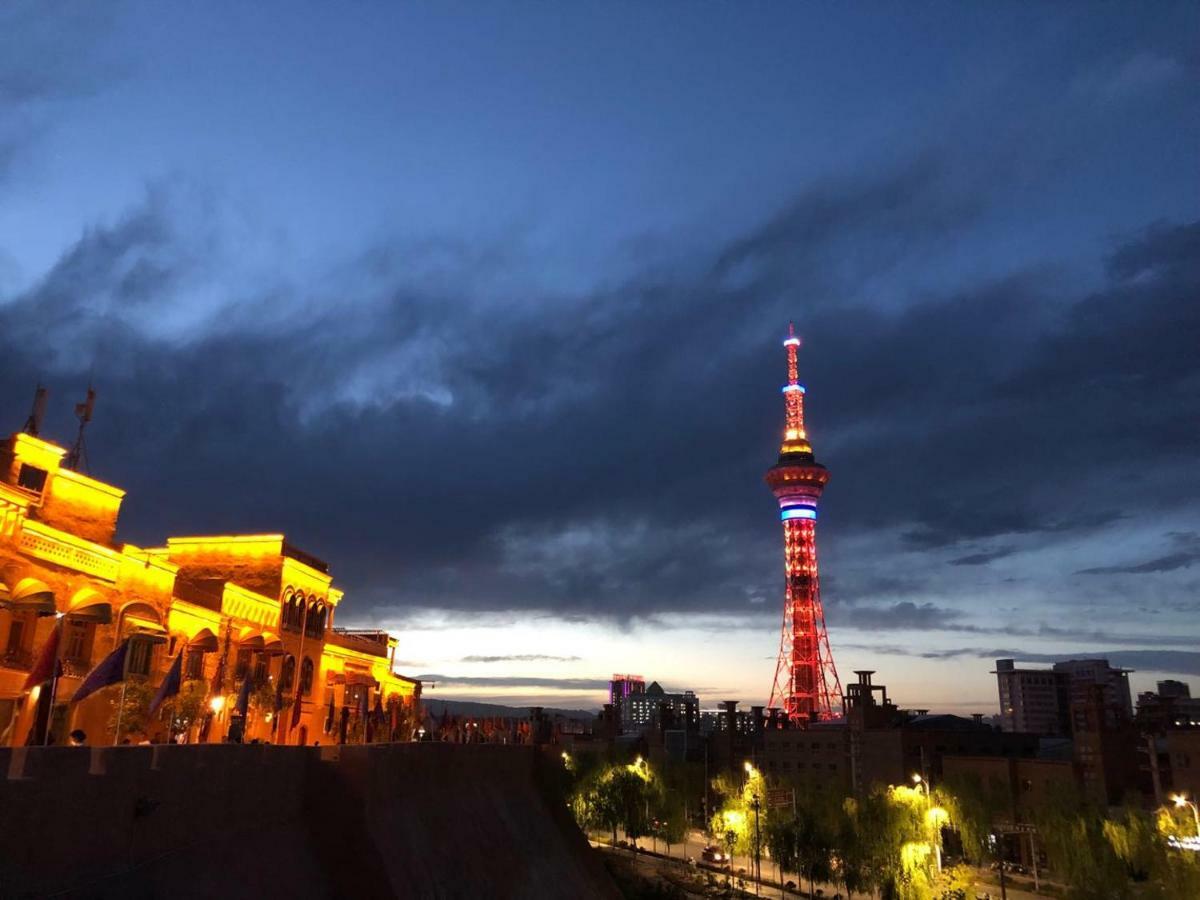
x=386, y=820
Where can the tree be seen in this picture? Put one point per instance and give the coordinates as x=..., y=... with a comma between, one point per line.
x=666, y=808
x=186, y=708
x=595, y=803
x=129, y=705
x=815, y=835
x=735, y=812
x=615, y=795
x=973, y=805
x=1072, y=834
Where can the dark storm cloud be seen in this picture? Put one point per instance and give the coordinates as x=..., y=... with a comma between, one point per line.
x=1188, y=552
x=1176, y=662
x=602, y=457
x=983, y=557
x=47, y=55
x=520, y=657
x=896, y=616
x=500, y=681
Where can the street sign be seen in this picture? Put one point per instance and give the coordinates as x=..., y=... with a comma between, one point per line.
x=1015, y=828
x=777, y=798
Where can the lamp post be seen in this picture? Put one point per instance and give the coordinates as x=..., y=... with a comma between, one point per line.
x=932, y=818
x=1181, y=801
x=757, y=854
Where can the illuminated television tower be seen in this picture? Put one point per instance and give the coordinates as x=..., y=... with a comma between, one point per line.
x=806, y=683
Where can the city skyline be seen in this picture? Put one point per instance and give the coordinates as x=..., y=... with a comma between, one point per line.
x=505, y=345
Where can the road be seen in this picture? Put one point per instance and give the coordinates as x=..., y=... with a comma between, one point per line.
x=987, y=882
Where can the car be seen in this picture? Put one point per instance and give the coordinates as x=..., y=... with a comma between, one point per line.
x=713, y=854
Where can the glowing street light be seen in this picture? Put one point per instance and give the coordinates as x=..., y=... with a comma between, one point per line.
x=1181, y=801
x=217, y=703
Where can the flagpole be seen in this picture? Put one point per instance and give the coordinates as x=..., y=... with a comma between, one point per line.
x=60, y=625
x=120, y=712
x=287, y=734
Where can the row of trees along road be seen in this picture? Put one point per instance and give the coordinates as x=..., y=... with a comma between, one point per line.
x=889, y=842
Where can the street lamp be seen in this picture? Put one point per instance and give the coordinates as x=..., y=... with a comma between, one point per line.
x=757, y=848
x=1181, y=801
x=934, y=816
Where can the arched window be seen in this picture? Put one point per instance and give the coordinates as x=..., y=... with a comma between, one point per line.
x=314, y=625
x=287, y=675
x=306, y=676
x=293, y=612
x=261, y=661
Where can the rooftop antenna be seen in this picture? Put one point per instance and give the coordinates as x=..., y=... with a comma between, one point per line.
x=33, y=425
x=78, y=454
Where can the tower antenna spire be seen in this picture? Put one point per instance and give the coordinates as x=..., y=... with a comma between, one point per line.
x=78, y=455
x=806, y=682
x=33, y=424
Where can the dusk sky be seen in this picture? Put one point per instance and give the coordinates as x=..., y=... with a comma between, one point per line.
x=483, y=305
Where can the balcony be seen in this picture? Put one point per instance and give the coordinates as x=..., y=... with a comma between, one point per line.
x=21, y=660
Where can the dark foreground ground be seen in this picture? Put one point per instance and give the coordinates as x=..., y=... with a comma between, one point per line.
x=391, y=820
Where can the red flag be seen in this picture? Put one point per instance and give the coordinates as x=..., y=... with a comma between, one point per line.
x=43, y=670
x=295, y=711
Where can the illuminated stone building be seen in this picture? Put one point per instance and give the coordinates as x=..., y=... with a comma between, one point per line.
x=232, y=606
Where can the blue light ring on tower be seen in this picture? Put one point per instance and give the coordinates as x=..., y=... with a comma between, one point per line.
x=788, y=388
x=797, y=512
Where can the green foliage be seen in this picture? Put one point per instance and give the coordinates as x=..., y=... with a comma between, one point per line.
x=616, y=796
x=1118, y=854
x=262, y=698
x=885, y=843
x=806, y=843
x=733, y=820
x=973, y=805
x=130, y=703
x=186, y=708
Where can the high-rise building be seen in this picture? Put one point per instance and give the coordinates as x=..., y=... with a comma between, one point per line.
x=1039, y=701
x=622, y=686
x=1033, y=701
x=655, y=707
x=1172, y=706
x=806, y=685
x=1114, y=683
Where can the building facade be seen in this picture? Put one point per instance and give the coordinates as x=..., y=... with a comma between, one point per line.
x=1038, y=701
x=243, y=614
x=655, y=708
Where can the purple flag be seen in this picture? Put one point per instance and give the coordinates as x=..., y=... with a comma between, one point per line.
x=111, y=670
x=243, y=700
x=170, y=684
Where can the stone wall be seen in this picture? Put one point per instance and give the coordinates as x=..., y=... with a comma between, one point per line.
x=400, y=820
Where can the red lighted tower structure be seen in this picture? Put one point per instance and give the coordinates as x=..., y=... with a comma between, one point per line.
x=806, y=683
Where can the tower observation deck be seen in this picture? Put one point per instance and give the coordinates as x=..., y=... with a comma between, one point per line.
x=806, y=685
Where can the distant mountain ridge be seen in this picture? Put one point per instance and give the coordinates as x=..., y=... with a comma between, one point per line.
x=484, y=710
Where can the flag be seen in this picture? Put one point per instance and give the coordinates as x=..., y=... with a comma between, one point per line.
x=295, y=711
x=344, y=724
x=243, y=700
x=330, y=714
x=170, y=684
x=43, y=669
x=279, y=694
x=394, y=709
x=110, y=671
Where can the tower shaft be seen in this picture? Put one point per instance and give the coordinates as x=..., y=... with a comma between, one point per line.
x=806, y=685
